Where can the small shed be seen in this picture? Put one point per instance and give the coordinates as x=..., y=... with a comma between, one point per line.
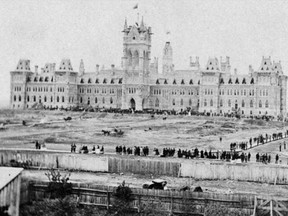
x=10, y=183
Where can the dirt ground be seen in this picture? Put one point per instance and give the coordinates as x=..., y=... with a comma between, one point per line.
x=185, y=132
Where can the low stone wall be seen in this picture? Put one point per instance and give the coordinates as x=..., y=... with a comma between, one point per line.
x=196, y=168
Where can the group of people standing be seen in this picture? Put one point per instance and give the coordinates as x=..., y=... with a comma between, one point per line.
x=138, y=151
x=84, y=149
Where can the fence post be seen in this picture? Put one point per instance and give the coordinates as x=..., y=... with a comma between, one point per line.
x=171, y=210
x=108, y=198
x=139, y=203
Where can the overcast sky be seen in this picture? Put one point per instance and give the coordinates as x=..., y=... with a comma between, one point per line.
x=47, y=31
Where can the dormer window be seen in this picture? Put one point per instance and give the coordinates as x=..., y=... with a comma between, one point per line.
x=267, y=68
x=230, y=81
x=244, y=81
x=157, y=82
x=120, y=81
x=97, y=81
x=222, y=81
x=104, y=81
x=252, y=81
x=237, y=81
x=191, y=82
x=210, y=63
x=212, y=68
x=112, y=81
x=262, y=68
x=134, y=38
x=265, y=63
x=174, y=82
x=182, y=82
x=82, y=81
x=165, y=82
x=207, y=68
x=89, y=80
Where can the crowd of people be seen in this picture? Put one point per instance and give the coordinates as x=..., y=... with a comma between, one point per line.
x=138, y=150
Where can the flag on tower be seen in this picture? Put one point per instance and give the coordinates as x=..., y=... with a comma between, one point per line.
x=136, y=6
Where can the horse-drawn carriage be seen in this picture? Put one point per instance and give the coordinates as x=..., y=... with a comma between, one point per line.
x=114, y=132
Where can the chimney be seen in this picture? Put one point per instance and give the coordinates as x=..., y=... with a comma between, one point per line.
x=250, y=69
x=36, y=69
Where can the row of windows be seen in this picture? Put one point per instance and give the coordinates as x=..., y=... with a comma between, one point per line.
x=241, y=92
x=182, y=92
x=39, y=89
x=175, y=83
x=260, y=105
x=96, y=100
x=17, y=88
x=230, y=81
x=131, y=90
x=60, y=89
x=105, y=81
x=97, y=91
x=41, y=79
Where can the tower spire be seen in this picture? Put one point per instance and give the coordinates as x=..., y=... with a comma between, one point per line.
x=81, y=67
x=125, y=24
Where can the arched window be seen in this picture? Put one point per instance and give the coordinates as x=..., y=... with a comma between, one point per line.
x=19, y=97
x=57, y=98
x=103, y=100
x=34, y=98
x=112, y=81
x=89, y=80
x=35, y=79
x=120, y=81
x=82, y=80
x=252, y=81
x=104, y=81
x=182, y=82
x=230, y=81
x=211, y=102
x=266, y=104
x=260, y=103
x=229, y=103
x=190, y=102
x=221, y=102
x=157, y=82
x=52, y=79
x=63, y=99
x=51, y=99
x=174, y=82
x=165, y=82
x=191, y=82
x=28, y=79
x=221, y=81
x=45, y=99
x=129, y=55
x=251, y=103
x=28, y=98
x=41, y=79
x=15, y=98
x=237, y=81
x=243, y=103
x=46, y=79
x=181, y=102
x=173, y=102
x=244, y=81
x=111, y=100
x=198, y=82
x=157, y=102
x=96, y=100
x=205, y=102
x=97, y=80
x=136, y=58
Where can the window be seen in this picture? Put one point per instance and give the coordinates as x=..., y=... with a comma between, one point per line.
x=157, y=102
x=244, y=81
x=45, y=99
x=96, y=100
x=237, y=81
x=205, y=102
x=260, y=103
x=221, y=81
x=173, y=102
x=57, y=98
x=34, y=98
x=120, y=81
x=104, y=81
x=230, y=81
x=112, y=81
x=243, y=103
x=266, y=104
x=63, y=99
x=35, y=79
x=165, y=82
x=174, y=82
x=157, y=82
x=19, y=97
x=89, y=80
x=221, y=102
x=51, y=99
x=181, y=102
x=97, y=81
x=28, y=98
x=182, y=82
x=111, y=100
x=251, y=103
x=252, y=81
x=103, y=100
x=82, y=80
x=41, y=79
x=190, y=102
x=191, y=82
x=211, y=102
x=15, y=98
x=81, y=100
x=229, y=103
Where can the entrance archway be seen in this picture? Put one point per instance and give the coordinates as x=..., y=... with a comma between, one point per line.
x=132, y=104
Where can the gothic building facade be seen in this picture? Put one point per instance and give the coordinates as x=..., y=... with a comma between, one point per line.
x=138, y=84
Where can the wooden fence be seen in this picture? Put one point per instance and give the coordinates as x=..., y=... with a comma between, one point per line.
x=166, y=201
x=196, y=168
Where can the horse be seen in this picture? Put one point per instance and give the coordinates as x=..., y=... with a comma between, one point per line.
x=106, y=132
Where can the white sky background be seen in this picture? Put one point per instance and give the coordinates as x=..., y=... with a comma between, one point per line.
x=47, y=31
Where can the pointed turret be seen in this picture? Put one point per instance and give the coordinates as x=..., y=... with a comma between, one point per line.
x=142, y=27
x=125, y=26
x=81, y=68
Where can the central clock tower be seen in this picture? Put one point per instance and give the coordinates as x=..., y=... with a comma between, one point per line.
x=136, y=61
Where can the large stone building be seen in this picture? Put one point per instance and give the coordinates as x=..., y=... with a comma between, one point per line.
x=138, y=84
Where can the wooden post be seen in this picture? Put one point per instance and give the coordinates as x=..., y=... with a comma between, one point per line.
x=139, y=203
x=108, y=198
x=171, y=210
x=255, y=206
x=271, y=207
